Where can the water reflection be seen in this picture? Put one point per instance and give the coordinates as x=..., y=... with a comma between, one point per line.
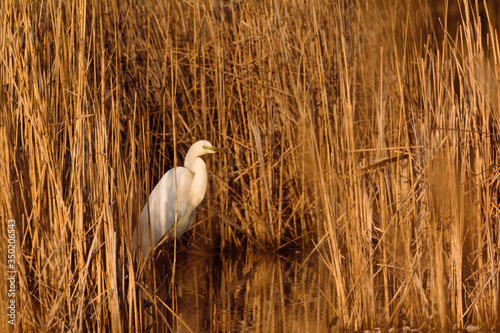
x=246, y=293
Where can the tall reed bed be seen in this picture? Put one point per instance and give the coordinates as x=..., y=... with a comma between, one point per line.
x=416, y=192
x=354, y=128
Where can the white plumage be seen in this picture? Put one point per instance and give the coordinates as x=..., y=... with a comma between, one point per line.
x=191, y=188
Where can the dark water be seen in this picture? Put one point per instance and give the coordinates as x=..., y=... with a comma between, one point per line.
x=253, y=293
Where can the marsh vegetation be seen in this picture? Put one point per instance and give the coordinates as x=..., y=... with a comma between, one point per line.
x=365, y=133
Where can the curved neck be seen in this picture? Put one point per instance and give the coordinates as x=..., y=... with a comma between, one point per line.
x=199, y=184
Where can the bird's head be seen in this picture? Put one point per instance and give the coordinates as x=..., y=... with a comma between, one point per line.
x=204, y=147
x=198, y=149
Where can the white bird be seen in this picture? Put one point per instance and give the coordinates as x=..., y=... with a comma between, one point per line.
x=191, y=187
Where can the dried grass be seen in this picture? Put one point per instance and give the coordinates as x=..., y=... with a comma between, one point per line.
x=357, y=126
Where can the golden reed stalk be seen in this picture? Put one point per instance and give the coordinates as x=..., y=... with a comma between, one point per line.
x=366, y=129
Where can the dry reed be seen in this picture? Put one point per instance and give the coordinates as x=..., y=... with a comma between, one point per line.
x=368, y=129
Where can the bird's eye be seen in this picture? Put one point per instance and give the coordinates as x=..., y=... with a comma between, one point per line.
x=207, y=147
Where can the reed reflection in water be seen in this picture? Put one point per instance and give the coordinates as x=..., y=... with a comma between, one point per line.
x=246, y=293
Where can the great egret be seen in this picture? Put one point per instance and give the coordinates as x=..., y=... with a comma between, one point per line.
x=191, y=187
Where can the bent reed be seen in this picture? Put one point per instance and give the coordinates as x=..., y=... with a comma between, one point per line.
x=366, y=130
